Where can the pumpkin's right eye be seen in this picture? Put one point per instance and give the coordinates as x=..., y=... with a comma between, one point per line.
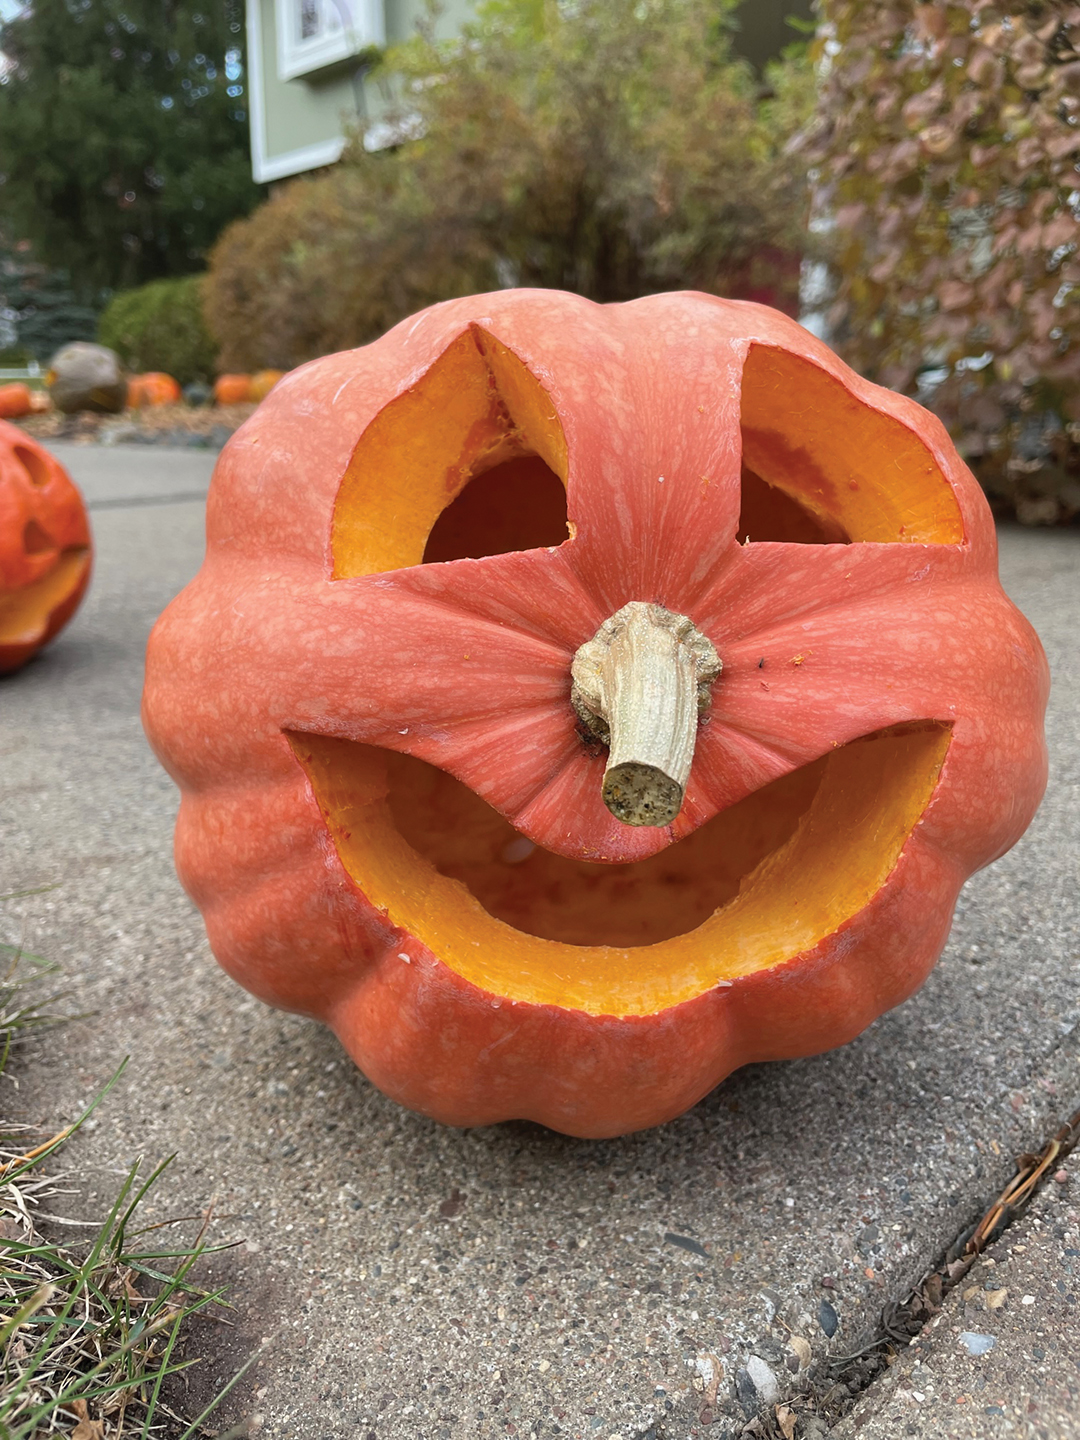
x=820, y=466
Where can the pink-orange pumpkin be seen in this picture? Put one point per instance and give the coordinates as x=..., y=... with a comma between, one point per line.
x=44, y=547
x=392, y=816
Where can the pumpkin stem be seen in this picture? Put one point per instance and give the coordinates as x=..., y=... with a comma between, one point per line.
x=641, y=685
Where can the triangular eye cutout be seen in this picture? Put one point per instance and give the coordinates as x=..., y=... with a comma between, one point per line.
x=820, y=466
x=469, y=461
x=35, y=465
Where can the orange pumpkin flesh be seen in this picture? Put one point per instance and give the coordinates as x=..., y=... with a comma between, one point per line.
x=44, y=547
x=391, y=819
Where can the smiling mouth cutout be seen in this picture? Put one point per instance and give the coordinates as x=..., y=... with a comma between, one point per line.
x=760, y=883
x=25, y=613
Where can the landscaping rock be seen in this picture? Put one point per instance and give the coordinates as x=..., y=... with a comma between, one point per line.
x=83, y=376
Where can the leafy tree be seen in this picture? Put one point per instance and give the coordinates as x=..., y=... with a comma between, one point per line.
x=946, y=156
x=123, y=135
x=39, y=311
x=609, y=149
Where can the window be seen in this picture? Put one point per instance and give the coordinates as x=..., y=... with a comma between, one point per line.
x=316, y=33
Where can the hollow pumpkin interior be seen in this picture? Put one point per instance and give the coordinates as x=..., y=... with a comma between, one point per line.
x=759, y=884
x=25, y=613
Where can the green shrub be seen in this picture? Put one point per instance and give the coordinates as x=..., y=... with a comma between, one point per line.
x=160, y=326
x=612, y=150
x=946, y=157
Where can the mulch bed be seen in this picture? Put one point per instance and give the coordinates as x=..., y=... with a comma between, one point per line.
x=202, y=427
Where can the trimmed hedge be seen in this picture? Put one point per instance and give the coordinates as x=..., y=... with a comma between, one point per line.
x=160, y=327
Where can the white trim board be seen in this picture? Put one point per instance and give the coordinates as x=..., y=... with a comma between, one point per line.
x=293, y=162
x=265, y=168
x=362, y=25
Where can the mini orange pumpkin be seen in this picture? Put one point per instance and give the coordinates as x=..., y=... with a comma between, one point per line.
x=232, y=389
x=15, y=401
x=153, y=388
x=44, y=547
x=579, y=702
x=262, y=383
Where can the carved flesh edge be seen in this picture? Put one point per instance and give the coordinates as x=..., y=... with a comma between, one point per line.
x=25, y=613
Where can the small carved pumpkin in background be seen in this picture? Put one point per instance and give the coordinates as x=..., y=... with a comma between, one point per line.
x=44, y=547
x=579, y=702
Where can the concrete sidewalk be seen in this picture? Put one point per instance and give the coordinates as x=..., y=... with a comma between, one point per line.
x=423, y=1282
x=1001, y=1361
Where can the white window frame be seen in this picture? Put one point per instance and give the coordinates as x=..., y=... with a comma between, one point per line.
x=300, y=57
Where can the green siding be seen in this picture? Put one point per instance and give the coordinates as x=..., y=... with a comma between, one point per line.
x=291, y=119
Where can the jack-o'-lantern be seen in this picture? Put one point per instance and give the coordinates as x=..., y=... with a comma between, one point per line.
x=44, y=547
x=578, y=702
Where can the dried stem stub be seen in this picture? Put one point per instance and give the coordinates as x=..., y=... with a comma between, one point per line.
x=641, y=685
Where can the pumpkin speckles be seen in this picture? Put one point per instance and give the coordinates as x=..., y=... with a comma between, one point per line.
x=485, y=485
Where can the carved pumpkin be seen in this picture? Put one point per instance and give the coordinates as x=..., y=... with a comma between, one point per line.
x=44, y=547
x=15, y=401
x=579, y=702
x=232, y=389
x=153, y=388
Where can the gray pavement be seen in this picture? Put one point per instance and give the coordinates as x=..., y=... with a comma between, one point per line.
x=1001, y=1361
x=417, y=1281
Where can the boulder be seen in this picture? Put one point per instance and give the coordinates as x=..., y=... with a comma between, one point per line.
x=87, y=377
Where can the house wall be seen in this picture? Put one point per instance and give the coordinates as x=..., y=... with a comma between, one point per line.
x=299, y=124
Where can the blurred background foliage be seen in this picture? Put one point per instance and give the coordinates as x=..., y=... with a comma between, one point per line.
x=160, y=326
x=944, y=155
x=123, y=136
x=39, y=310
x=613, y=150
